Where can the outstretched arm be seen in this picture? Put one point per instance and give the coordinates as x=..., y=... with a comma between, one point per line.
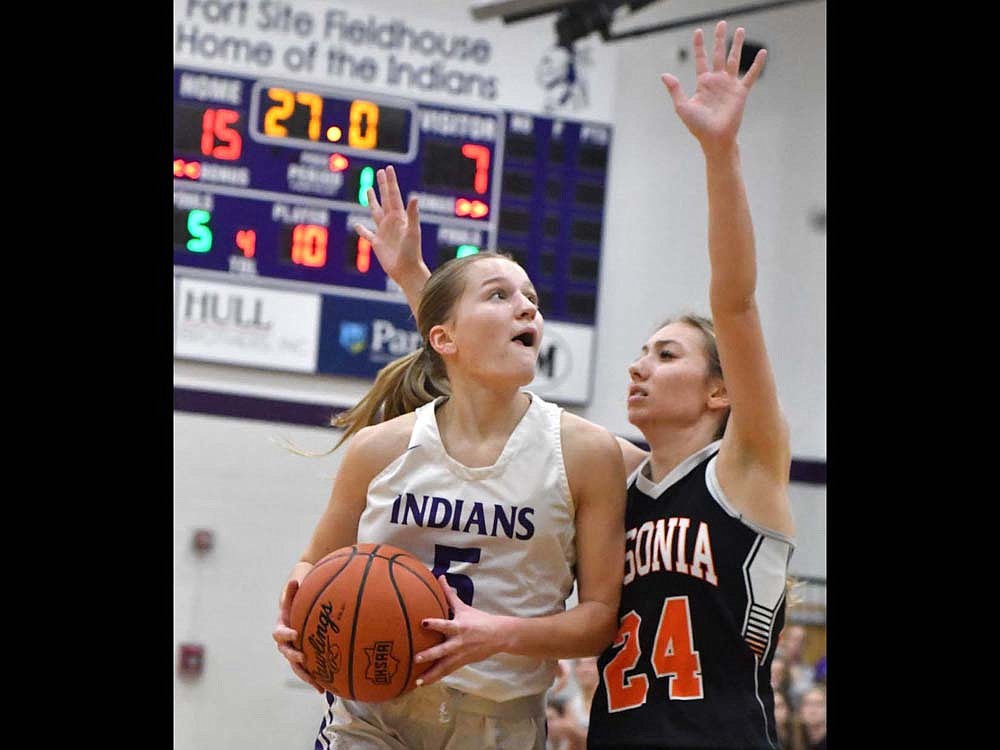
x=754, y=459
x=396, y=239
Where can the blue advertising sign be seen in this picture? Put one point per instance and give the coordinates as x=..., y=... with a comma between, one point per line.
x=360, y=336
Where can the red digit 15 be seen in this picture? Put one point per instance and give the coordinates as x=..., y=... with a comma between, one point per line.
x=215, y=126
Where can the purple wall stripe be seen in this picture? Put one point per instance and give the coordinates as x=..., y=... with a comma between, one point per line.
x=252, y=407
x=806, y=471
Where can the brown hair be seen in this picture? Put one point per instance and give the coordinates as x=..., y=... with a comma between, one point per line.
x=711, y=349
x=419, y=377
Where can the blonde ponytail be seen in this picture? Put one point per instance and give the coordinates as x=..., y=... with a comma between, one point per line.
x=400, y=387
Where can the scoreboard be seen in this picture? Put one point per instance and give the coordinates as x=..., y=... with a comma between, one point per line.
x=271, y=175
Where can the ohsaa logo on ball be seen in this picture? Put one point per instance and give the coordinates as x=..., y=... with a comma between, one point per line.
x=382, y=665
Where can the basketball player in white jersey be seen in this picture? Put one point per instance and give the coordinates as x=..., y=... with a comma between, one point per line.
x=709, y=527
x=506, y=497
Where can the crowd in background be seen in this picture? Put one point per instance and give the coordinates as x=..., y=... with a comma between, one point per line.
x=799, y=693
x=799, y=697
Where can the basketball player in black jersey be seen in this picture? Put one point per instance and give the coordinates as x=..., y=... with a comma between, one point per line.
x=708, y=520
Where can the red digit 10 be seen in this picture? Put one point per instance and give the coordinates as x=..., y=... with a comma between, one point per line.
x=215, y=125
x=309, y=245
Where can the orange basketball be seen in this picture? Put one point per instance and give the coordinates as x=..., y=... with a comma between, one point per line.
x=357, y=617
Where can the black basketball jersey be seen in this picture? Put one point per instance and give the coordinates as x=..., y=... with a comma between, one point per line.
x=702, y=605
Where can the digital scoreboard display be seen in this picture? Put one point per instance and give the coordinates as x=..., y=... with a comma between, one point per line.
x=271, y=175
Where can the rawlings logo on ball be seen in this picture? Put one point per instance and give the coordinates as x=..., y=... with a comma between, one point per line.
x=382, y=665
x=327, y=653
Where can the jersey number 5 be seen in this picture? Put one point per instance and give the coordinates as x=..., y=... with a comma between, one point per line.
x=673, y=657
x=444, y=556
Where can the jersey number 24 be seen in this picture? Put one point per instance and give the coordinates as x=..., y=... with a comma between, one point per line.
x=673, y=657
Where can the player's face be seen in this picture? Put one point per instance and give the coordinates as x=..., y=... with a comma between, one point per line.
x=792, y=640
x=669, y=381
x=496, y=326
x=813, y=708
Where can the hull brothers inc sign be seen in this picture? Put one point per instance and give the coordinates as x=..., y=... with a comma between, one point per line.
x=246, y=325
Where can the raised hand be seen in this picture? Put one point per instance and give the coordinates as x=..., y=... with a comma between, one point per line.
x=713, y=114
x=396, y=239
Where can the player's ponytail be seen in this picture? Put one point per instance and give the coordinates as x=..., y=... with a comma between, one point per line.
x=400, y=387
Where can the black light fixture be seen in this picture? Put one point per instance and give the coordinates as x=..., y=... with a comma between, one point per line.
x=581, y=18
x=512, y=11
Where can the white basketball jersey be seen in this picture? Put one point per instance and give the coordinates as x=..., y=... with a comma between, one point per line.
x=502, y=534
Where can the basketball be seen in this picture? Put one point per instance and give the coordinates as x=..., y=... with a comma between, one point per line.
x=357, y=618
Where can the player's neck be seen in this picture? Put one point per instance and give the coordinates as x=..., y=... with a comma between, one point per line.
x=474, y=428
x=668, y=447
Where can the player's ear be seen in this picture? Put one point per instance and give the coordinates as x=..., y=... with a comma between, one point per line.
x=718, y=396
x=441, y=339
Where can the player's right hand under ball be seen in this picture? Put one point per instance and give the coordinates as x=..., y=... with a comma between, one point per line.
x=285, y=637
